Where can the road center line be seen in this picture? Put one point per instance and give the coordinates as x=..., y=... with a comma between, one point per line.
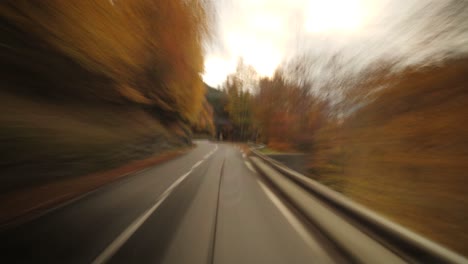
x=197, y=164
x=211, y=152
x=137, y=223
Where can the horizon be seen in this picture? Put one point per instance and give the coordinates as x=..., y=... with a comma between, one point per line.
x=267, y=34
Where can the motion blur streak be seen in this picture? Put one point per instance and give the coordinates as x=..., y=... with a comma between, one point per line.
x=101, y=100
x=378, y=113
x=132, y=228
x=90, y=85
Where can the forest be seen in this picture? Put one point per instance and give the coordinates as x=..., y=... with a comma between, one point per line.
x=89, y=85
x=402, y=151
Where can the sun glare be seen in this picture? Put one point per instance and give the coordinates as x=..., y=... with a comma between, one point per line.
x=263, y=58
x=261, y=34
x=216, y=70
x=258, y=52
x=334, y=15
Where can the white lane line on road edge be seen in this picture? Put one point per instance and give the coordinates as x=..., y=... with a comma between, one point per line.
x=249, y=166
x=133, y=227
x=293, y=221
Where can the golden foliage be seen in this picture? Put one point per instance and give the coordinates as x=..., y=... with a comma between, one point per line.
x=154, y=47
x=405, y=153
x=287, y=114
x=239, y=103
x=204, y=123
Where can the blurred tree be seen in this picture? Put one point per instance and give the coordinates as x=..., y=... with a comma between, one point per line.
x=141, y=51
x=277, y=110
x=238, y=87
x=204, y=123
x=286, y=113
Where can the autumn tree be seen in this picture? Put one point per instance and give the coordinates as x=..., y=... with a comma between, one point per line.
x=238, y=87
x=276, y=110
x=287, y=113
x=141, y=52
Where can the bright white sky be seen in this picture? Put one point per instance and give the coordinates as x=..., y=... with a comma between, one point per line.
x=266, y=33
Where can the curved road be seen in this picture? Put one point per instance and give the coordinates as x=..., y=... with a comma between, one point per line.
x=208, y=206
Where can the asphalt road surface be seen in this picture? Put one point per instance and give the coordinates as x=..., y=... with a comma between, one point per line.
x=208, y=206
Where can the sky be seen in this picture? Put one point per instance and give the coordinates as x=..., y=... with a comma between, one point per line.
x=353, y=33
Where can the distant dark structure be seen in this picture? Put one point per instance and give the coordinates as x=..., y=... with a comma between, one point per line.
x=218, y=100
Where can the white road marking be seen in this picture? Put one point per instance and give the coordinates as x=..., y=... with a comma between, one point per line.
x=250, y=166
x=214, y=150
x=197, y=164
x=137, y=223
x=211, y=152
x=293, y=221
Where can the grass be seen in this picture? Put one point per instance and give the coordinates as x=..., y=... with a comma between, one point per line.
x=269, y=151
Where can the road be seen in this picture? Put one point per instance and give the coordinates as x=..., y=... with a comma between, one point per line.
x=208, y=206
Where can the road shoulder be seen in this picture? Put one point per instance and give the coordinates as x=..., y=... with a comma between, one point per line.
x=26, y=204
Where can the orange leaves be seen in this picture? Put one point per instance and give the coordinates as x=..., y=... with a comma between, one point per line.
x=204, y=121
x=405, y=153
x=286, y=113
x=151, y=51
x=134, y=95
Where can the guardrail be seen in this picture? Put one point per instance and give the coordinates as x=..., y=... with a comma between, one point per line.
x=370, y=238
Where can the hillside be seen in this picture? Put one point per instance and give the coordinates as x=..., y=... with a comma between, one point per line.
x=89, y=85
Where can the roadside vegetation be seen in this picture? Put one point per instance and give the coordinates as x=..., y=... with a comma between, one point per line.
x=92, y=85
x=89, y=85
x=272, y=110
x=400, y=149
x=405, y=153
